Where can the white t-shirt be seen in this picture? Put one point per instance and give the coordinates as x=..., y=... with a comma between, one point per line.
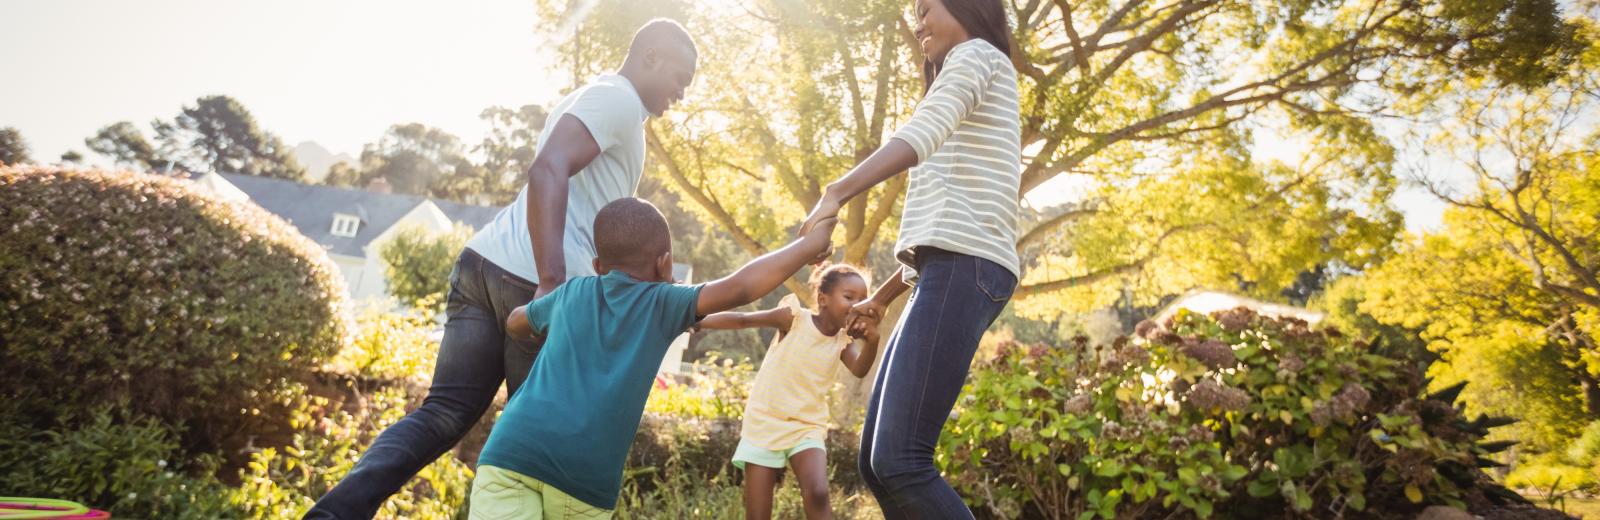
x=613, y=113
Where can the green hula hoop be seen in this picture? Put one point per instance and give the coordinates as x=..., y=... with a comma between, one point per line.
x=17, y=508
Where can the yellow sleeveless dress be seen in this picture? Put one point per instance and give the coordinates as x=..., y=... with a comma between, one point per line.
x=789, y=400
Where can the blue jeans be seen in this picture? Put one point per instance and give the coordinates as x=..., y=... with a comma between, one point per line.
x=474, y=357
x=925, y=364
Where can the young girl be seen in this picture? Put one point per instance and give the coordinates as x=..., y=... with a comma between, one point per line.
x=786, y=417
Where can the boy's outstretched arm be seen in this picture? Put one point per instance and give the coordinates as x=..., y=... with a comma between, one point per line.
x=764, y=274
x=777, y=317
x=517, y=326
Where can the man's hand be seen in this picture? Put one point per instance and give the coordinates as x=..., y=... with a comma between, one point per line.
x=543, y=289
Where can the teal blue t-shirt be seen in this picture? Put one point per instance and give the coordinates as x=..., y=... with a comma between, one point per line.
x=573, y=420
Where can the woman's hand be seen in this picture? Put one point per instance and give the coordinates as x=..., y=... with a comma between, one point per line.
x=827, y=207
x=864, y=316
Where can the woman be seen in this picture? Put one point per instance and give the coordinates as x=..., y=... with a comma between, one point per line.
x=957, y=245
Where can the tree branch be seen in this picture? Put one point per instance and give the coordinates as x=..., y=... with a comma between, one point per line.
x=718, y=213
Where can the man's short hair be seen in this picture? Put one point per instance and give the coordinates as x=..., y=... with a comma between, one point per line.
x=630, y=232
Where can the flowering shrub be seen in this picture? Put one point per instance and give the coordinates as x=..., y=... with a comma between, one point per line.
x=1252, y=416
x=130, y=467
x=131, y=289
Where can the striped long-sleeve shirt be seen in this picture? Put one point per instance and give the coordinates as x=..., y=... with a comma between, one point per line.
x=963, y=195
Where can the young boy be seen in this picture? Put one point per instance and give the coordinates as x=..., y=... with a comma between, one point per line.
x=558, y=449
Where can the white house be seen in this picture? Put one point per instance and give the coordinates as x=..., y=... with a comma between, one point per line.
x=352, y=224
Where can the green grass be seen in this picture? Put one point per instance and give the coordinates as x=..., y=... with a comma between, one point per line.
x=1587, y=508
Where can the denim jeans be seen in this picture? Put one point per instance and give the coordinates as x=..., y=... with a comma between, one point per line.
x=474, y=357
x=925, y=364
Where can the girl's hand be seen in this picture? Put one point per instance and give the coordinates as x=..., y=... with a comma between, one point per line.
x=864, y=316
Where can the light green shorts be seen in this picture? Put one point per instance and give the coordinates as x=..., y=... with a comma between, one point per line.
x=750, y=453
x=501, y=494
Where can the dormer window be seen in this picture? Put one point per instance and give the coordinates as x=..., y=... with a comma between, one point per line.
x=345, y=225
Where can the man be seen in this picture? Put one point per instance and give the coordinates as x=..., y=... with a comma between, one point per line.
x=590, y=153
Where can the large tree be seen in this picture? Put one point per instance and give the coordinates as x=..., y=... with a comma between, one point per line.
x=124, y=144
x=13, y=149
x=1518, y=261
x=1146, y=110
x=417, y=262
x=417, y=159
x=508, y=149
x=218, y=134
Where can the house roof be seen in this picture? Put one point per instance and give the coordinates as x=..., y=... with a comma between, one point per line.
x=311, y=208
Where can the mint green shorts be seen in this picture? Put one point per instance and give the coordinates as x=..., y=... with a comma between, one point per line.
x=752, y=454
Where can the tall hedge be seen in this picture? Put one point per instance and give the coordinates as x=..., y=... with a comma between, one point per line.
x=139, y=291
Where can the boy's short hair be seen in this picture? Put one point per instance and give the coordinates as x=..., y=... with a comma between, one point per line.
x=630, y=232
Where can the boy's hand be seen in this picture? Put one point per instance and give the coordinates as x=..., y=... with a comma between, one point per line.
x=827, y=210
x=820, y=237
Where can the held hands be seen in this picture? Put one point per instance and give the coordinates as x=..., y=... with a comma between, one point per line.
x=826, y=213
x=864, y=317
x=820, y=235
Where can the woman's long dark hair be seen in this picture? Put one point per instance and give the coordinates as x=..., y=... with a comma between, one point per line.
x=985, y=19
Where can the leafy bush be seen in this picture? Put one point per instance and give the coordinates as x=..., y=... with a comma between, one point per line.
x=390, y=345
x=115, y=281
x=417, y=262
x=718, y=390
x=132, y=468
x=1555, y=475
x=285, y=482
x=1253, y=416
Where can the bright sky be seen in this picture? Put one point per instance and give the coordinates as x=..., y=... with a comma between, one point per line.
x=335, y=72
x=338, y=73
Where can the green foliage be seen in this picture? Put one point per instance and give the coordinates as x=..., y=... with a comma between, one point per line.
x=1237, y=415
x=116, y=281
x=508, y=149
x=123, y=143
x=417, y=159
x=679, y=467
x=132, y=468
x=1506, y=290
x=342, y=174
x=1144, y=115
x=390, y=345
x=717, y=393
x=285, y=482
x=417, y=262
x=217, y=134
x=13, y=149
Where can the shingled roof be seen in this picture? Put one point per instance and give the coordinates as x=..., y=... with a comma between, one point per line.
x=311, y=209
